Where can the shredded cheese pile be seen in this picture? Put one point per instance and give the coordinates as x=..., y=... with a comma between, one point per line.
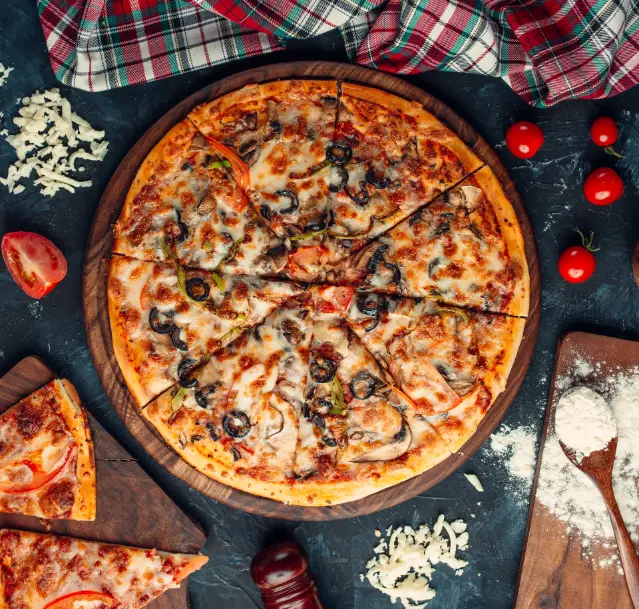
x=49, y=144
x=4, y=73
x=404, y=564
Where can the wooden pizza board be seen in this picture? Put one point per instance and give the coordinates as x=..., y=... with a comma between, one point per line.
x=96, y=317
x=131, y=508
x=555, y=573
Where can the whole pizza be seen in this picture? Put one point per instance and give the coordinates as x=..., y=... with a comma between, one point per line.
x=316, y=290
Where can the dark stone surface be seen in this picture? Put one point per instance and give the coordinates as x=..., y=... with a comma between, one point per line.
x=551, y=187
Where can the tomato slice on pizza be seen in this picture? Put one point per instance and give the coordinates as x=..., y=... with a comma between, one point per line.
x=177, y=317
x=42, y=571
x=46, y=456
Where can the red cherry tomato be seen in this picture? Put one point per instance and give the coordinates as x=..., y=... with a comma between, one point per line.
x=524, y=139
x=35, y=264
x=603, y=186
x=604, y=131
x=577, y=264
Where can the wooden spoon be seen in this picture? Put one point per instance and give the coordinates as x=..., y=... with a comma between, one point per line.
x=598, y=467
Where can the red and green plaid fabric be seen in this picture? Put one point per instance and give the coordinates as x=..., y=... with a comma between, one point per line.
x=546, y=50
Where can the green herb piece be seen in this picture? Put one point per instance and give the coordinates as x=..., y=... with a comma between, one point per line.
x=337, y=398
x=219, y=282
x=208, y=246
x=178, y=398
x=309, y=235
x=241, y=317
x=230, y=333
x=218, y=164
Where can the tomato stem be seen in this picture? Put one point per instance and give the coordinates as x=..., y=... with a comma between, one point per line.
x=612, y=152
x=588, y=243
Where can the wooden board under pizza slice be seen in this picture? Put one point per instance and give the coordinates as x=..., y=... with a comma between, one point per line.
x=390, y=157
x=165, y=320
x=237, y=422
x=53, y=572
x=465, y=249
x=47, y=462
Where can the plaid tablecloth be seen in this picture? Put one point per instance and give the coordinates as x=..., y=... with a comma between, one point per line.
x=546, y=50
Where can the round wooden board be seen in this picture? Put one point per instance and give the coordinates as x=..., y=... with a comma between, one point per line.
x=97, y=319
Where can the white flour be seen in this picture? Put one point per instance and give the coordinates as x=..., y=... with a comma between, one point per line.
x=569, y=494
x=583, y=421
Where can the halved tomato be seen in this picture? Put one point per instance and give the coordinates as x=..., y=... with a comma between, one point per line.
x=67, y=601
x=334, y=299
x=35, y=264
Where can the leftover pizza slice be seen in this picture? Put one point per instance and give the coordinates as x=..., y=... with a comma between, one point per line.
x=41, y=571
x=47, y=466
x=166, y=319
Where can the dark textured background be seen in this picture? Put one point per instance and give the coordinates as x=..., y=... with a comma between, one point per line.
x=551, y=187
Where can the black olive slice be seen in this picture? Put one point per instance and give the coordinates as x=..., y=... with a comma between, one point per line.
x=184, y=230
x=396, y=274
x=376, y=258
x=202, y=394
x=362, y=197
x=236, y=424
x=178, y=343
x=329, y=441
x=323, y=369
x=368, y=304
x=432, y=266
x=156, y=325
x=323, y=405
x=275, y=126
x=212, y=432
x=237, y=455
x=183, y=370
x=318, y=421
x=276, y=251
x=318, y=225
x=265, y=212
x=292, y=197
x=371, y=324
x=197, y=289
x=339, y=153
x=342, y=173
x=364, y=385
x=373, y=180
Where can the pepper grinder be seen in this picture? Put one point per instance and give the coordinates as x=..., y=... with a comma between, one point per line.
x=282, y=575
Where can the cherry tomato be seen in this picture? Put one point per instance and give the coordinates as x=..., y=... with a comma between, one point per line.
x=577, y=264
x=604, y=131
x=35, y=264
x=603, y=186
x=334, y=299
x=524, y=139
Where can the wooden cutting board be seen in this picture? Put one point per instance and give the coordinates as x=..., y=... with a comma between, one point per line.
x=555, y=573
x=131, y=508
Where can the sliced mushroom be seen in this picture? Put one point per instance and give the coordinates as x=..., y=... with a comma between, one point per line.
x=399, y=444
x=248, y=146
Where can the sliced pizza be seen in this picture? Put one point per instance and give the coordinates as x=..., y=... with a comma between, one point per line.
x=466, y=248
x=280, y=134
x=237, y=422
x=185, y=204
x=390, y=158
x=42, y=571
x=452, y=363
x=47, y=466
x=165, y=320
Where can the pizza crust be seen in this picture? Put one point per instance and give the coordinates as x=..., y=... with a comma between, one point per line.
x=76, y=420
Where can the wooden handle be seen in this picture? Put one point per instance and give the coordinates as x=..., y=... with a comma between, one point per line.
x=629, y=558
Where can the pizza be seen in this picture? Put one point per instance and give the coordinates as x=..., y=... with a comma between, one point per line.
x=316, y=291
x=41, y=571
x=47, y=467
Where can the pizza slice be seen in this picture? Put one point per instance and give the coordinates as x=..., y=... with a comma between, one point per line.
x=280, y=134
x=41, y=571
x=165, y=319
x=466, y=249
x=47, y=467
x=452, y=363
x=237, y=421
x=357, y=427
x=392, y=157
x=186, y=204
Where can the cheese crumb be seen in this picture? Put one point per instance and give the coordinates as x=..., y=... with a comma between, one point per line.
x=404, y=563
x=474, y=480
x=4, y=73
x=49, y=143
